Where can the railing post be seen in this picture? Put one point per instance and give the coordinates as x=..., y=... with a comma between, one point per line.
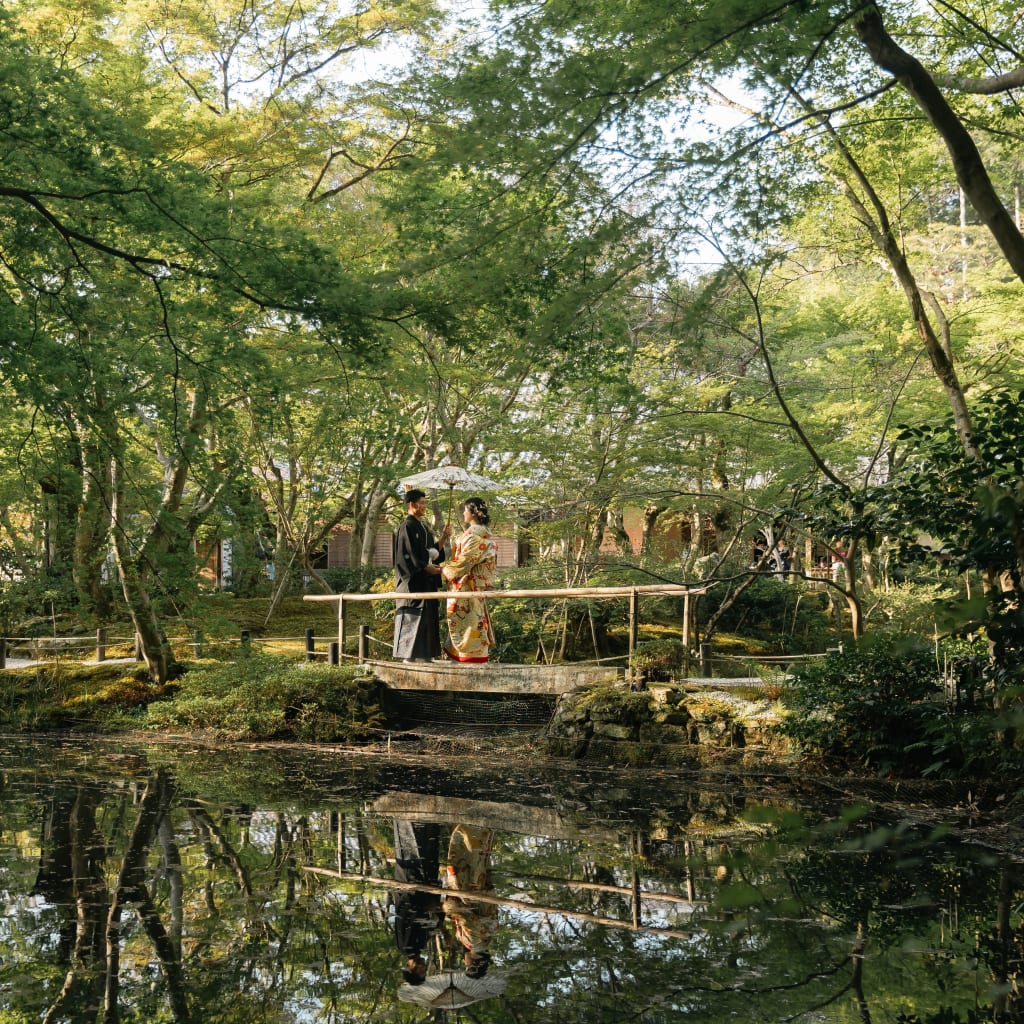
x=634, y=635
x=197, y=643
x=364, y=644
x=101, y=644
x=3, y=652
x=341, y=626
x=705, y=660
x=245, y=638
x=310, y=646
x=332, y=653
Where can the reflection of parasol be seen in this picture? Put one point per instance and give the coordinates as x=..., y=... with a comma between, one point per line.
x=452, y=990
x=450, y=477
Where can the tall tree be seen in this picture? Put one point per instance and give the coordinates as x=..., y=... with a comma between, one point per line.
x=129, y=286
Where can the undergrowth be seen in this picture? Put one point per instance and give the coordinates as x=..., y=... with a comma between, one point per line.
x=262, y=697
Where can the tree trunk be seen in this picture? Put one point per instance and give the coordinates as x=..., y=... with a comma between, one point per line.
x=967, y=161
x=615, y=521
x=651, y=515
x=374, y=507
x=850, y=592
x=135, y=575
x=92, y=524
x=592, y=551
x=696, y=532
x=885, y=239
x=878, y=225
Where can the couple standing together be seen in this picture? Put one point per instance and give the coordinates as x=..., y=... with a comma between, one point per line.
x=468, y=565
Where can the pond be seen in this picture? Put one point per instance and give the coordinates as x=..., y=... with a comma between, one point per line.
x=196, y=883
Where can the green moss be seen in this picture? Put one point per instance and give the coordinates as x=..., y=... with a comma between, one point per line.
x=65, y=694
x=261, y=697
x=615, y=703
x=709, y=707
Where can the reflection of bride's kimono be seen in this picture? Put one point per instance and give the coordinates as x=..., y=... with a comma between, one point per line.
x=471, y=567
x=469, y=870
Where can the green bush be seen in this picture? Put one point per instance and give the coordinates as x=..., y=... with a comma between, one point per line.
x=877, y=704
x=896, y=704
x=659, y=660
x=358, y=579
x=909, y=607
x=787, y=615
x=260, y=697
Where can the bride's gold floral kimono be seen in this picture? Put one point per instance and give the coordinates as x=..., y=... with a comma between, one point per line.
x=471, y=567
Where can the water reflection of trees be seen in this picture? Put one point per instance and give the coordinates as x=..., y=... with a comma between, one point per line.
x=147, y=904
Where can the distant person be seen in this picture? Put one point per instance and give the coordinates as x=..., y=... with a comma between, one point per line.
x=418, y=915
x=839, y=556
x=474, y=923
x=418, y=621
x=472, y=566
x=757, y=555
x=781, y=560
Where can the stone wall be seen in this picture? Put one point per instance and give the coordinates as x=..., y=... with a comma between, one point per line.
x=664, y=725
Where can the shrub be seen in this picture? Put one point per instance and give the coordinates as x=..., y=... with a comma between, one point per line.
x=909, y=607
x=358, y=579
x=658, y=660
x=264, y=697
x=787, y=615
x=876, y=704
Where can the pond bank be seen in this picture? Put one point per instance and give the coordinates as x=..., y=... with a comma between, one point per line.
x=276, y=701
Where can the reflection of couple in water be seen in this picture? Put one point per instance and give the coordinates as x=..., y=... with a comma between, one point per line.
x=419, y=915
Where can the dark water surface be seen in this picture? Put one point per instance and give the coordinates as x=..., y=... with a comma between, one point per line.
x=176, y=883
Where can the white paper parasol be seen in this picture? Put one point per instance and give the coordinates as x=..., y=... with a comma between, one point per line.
x=450, y=477
x=451, y=990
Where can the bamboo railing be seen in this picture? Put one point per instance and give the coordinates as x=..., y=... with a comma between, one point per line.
x=501, y=901
x=684, y=590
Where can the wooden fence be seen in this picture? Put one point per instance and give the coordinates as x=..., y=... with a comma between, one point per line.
x=37, y=650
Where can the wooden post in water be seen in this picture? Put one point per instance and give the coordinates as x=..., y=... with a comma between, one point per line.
x=686, y=634
x=637, y=900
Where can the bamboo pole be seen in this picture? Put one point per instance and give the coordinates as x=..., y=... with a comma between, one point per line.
x=619, y=890
x=634, y=635
x=664, y=589
x=501, y=901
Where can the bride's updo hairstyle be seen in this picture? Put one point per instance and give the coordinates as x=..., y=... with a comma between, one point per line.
x=477, y=508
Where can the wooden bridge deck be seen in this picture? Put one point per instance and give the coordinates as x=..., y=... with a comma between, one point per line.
x=492, y=677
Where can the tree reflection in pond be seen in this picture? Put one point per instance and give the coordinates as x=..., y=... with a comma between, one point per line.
x=234, y=886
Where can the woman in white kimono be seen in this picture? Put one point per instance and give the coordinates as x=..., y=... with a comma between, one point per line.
x=471, y=567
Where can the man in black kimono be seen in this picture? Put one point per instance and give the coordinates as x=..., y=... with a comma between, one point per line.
x=418, y=915
x=418, y=622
